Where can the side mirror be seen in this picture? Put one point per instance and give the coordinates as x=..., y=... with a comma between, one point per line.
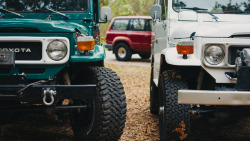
x=156, y=11
x=105, y=14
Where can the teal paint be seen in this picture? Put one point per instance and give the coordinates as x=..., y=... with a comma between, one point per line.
x=97, y=54
x=58, y=26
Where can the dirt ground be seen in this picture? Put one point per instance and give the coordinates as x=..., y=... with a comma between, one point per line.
x=135, y=60
x=141, y=125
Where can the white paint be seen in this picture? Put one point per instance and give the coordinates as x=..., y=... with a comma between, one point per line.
x=179, y=27
x=45, y=42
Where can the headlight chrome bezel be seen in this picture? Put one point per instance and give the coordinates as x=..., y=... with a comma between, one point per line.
x=54, y=58
x=210, y=61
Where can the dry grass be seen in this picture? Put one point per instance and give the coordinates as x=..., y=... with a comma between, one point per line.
x=141, y=124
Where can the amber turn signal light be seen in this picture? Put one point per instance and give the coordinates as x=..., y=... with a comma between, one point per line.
x=185, y=48
x=85, y=45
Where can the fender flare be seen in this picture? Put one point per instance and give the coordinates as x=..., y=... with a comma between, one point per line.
x=122, y=39
x=169, y=57
x=173, y=58
x=98, y=54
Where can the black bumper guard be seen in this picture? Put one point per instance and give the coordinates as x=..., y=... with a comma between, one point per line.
x=35, y=93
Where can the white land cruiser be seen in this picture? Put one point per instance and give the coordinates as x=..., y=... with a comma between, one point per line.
x=200, y=60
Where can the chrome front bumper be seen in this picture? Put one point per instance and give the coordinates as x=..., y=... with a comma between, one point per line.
x=236, y=98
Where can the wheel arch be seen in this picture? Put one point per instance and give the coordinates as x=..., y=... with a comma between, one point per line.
x=121, y=39
x=190, y=73
x=78, y=68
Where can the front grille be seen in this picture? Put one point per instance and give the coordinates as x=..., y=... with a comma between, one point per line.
x=232, y=53
x=24, y=50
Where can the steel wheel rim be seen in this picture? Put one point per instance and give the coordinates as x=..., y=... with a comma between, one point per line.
x=122, y=52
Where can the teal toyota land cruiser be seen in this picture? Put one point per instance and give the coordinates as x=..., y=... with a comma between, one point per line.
x=50, y=58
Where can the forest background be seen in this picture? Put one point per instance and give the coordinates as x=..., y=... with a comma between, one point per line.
x=125, y=8
x=142, y=8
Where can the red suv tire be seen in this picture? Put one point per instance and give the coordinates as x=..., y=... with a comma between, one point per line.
x=122, y=52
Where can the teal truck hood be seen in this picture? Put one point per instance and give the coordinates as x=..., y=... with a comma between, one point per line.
x=47, y=26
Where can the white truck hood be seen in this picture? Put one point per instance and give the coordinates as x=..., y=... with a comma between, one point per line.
x=222, y=28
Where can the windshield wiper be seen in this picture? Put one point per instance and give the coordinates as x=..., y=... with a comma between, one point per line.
x=57, y=12
x=196, y=9
x=214, y=17
x=5, y=10
x=193, y=8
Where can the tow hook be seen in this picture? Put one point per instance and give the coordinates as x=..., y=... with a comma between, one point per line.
x=49, y=94
x=161, y=110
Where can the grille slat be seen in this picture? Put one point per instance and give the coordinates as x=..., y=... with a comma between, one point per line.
x=25, y=51
x=232, y=53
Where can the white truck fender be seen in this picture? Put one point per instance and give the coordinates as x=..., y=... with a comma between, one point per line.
x=173, y=58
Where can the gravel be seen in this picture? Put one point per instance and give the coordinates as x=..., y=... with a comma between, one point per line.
x=135, y=60
x=141, y=125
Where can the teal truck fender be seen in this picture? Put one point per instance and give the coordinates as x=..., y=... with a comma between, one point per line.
x=98, y=54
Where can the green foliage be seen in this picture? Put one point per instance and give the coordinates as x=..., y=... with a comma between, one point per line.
x=236, y=7
x=125, y=8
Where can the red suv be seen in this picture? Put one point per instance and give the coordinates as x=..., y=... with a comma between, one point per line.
x=129, y=35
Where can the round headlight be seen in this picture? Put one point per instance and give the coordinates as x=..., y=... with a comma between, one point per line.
x=214, y=55
x=57, y=50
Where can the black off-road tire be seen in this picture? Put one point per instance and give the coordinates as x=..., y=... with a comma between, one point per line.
x=174, y=113
x=154, y=96
x=144, y=55
x=107, y=116
x=122, y=52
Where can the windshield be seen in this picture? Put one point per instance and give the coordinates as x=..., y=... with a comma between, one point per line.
x=214, y=6
x=41, y=5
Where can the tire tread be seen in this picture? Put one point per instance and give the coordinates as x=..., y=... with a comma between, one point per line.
x=174, y=113
x=110, y=107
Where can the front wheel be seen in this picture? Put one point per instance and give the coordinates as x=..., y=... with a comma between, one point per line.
x=105, y=116
x=172, y=113
x=122, y=52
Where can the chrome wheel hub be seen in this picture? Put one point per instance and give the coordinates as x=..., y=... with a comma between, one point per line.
x=122, y=52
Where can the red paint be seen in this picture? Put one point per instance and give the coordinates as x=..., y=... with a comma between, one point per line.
x=138, y=41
